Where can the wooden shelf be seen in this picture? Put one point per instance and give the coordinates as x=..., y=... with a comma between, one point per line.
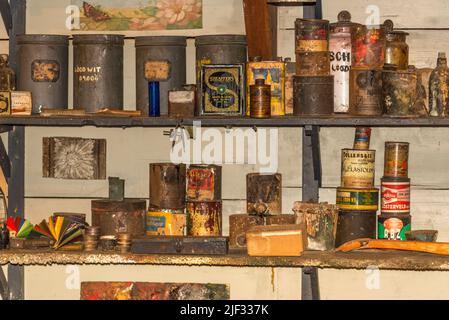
x=386, y=260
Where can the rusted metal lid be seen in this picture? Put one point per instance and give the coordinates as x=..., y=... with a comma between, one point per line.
x=111, y=39
x=343, y=22
x=43, y=39
x=161, y=41
x=223, y=39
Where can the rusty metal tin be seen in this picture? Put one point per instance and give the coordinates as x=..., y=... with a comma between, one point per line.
x=354, y=225
x=167, y=186
x=264, y=194
x=313, y=63
x=313, y=95
x=358, y=168
x=358, y=199
x=396, y=51
x=204, y=218
x=182, y=102
x=393, y=226
x=368, y=47
x=260, y=99
x=395, y=195
x=239, y=224
x=115, y=217
x=399, y=94
x=204, y=183
x=365, y=88
x=396, y=159
x=362, y=138
x=165, y=223
x=312, y=35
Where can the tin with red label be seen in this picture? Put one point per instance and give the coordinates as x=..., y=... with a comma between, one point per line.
x=395, y=195
x=204, y=183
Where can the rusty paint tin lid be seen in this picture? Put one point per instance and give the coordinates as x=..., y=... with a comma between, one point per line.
x=95, y=39
x=222, y=39
x=161, y=41
x=44, y=39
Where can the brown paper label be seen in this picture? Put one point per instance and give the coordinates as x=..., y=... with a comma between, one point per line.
x=157, y=70
x=21, y=102
x=45, y=71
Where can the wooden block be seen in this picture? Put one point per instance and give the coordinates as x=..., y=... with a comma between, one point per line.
x=74, y=158
x=276, y=241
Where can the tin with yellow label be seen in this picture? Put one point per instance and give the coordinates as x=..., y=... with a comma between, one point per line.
x=358, y=199
x=358, y=168
x=165, y=223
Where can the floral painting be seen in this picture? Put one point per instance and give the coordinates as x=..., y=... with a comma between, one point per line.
x=140, y=15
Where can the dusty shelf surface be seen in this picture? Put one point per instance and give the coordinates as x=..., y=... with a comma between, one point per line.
x=387, y=260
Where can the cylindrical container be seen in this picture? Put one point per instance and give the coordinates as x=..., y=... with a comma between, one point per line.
x=312, y=35
x=204, y=218
x=313, y=95
x=114, y=217
x=357, y=168
x=395, y=195
x=203, y=183
x=365, y=92
x=167, y=186
x=368, y=47
x=260, y=99
x=165, y=223
x=154, y=97
x=399, y=93
x=362, y=138
x=43, y=69
x=396, y=159
x=396, y=51
x=162, y=59
x=4, y=236
x=98, y=72
x=313, y=63
x=264, y=194
x=393, y=226
x=354, y=225
x=358, y=199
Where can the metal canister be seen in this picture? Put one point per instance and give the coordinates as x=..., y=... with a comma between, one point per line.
x=313, y=95
x=260, y=99
x=312, y=35
x=340, y=48
x=395, y=195
x=167, y=186
x=165, y=223
x=114, y=217
x=365, y=92
x=239, y=224
x=161, y=59
x=396, y=159
x=98, y=72
x=358, y=168
x=43, y=69
x=182, y=102
x=354, y=225
x=368, y=47
x=204, y=183
x=362, y=138
x=264, y=194
x=313, y=63
x=396, y=50
x=290, y=72
x=204, y=218
x=393, y=226
x=399, y=94
x=358, y=199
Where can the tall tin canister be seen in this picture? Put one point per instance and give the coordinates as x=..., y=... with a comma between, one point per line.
x=98, y=72
x=161, y=59
x=368, y=47
x=43, y=69
x=313, y=95
x=204, y=218
x=167, y=186
x=396, y=159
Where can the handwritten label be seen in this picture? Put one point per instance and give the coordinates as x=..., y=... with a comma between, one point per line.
x=88, y=74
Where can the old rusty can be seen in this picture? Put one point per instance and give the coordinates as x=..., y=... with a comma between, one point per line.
x=260, y=99
x=368, y=47
x=365, y=92
x=167, y=186
x=396, y=159
x=204, y=218
x=358, y=199
x=396, y=50
x=399, y=94
x=340, y=48
x=43, y=69
x=290, y=72
x=161, y=59
x=395, y=195
x=165, y=222
x=204, y=183
x=98, y=72
x=264, y=194
x=313, y=63
x=439, y=88
x=239, y=224
x=313, y=95
x=358, y=168
x=362, y=138
x=312, y=35
x=393, y=226
x=115, y=217
x=354, y=225
x=182, y=102
x=424, y=87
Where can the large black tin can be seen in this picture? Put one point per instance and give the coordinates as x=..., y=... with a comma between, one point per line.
x=43, y=69
x=354, y=225
x=161, y=59
x=98, y=72
x=313, y=95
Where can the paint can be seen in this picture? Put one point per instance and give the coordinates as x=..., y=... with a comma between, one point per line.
x=313, y=63
x=396, y=50
x=313, y=95
x=354, y=225
x=396, y=159
x=260, y=100
x=357, y=199
x=264, y=194
x=393, y=226
x=167, y=186
x=368, y=47
x=395, y=195
x=365, y=92
x=204, y=218
x=362, y=138
x=358, y=168
x=165, y=223
x=204, y=183
x=399, y=94
x=312, y=35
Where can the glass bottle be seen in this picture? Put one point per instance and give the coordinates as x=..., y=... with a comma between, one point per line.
x=439, y=88
x=7, y=75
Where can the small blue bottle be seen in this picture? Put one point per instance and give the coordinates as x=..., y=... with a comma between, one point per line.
x=154, y=99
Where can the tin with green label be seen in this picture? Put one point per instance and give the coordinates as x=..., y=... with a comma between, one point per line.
x=358, y=199
x=393, y=226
